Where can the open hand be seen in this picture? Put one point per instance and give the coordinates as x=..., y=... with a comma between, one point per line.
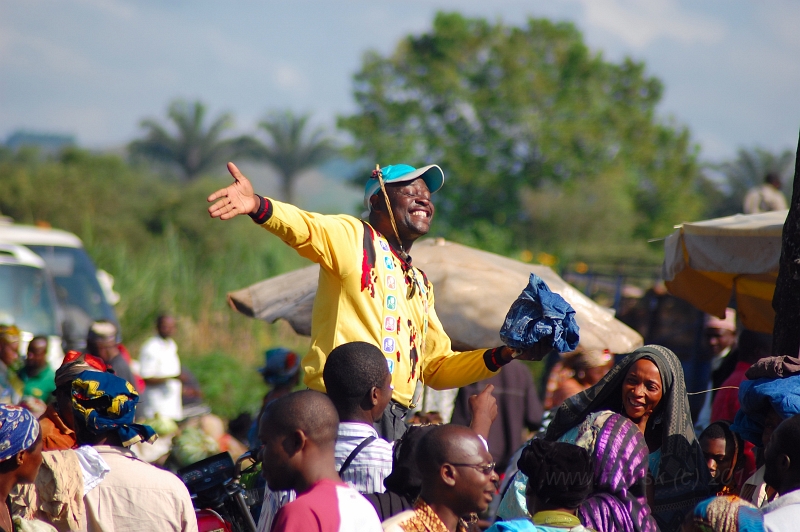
x=238, y=198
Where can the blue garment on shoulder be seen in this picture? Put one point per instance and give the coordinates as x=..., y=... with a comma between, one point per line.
x=540, y=313
x=754, y=396
x=515, y=525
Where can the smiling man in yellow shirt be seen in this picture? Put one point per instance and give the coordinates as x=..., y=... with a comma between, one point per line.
x=368, y=288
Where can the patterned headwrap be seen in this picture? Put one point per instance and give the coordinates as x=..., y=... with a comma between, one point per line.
x=18, y=430
x=103, y=402
x=683, y=477
x=728, y=514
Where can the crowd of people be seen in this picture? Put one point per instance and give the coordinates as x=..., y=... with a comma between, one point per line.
x=614, y=448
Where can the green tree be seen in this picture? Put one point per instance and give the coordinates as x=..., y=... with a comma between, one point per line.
x=749, y=168
x=515, y=113
x=192, y=146
x=291, y=148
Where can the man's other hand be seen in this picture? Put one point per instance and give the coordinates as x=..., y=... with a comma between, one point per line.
x=536, y=352
x=483, y=408
x=236, y=199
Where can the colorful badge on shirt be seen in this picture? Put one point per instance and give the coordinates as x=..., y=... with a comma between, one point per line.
x=391, y=302
x=390, y=363
x=390, y=324
x=389, y=263
x=388, y=345
x=384, y=245
x=391, y=282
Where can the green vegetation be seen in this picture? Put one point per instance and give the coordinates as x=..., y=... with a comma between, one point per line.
x=166, y=254
x=546, y=145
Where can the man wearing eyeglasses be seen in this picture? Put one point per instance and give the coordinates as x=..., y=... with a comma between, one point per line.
x=368, y=288
x=458, y=479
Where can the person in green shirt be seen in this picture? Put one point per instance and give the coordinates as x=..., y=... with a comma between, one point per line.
x=38, y=377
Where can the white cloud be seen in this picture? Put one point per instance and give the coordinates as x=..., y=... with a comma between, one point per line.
x=289, y=77
x=639, y=23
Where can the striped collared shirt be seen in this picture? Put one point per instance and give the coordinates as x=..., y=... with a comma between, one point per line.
x=372, y=464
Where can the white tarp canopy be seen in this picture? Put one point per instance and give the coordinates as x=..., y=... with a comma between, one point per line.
x=709, y=262
x=474, y=290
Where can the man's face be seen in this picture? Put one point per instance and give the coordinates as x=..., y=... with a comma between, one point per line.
x=384, y=396
x=107, y=348
x=775, y=462
x=475, y=486
x=718, y=458
x=276, y=455
x=37, y=355
x=412, y=207
x=9, y=352
x=719, y=339
x=166, y=327
x=64, y=405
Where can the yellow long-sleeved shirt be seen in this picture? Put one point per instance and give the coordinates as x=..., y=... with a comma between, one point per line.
x=351, y=304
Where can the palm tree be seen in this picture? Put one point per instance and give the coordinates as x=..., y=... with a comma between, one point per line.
x=290, y=149
x=194, y=148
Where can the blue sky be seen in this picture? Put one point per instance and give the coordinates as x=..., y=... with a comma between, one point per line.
x=95, y=68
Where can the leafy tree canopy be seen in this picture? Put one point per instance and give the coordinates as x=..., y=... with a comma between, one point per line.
x=541, y=139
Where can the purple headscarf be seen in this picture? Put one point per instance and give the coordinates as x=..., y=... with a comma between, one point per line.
x=619, y=453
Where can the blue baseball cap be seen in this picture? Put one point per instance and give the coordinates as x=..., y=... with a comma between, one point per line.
x=400, y=173
x=280, y=366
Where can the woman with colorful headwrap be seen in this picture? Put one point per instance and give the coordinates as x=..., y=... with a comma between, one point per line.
x=648, y=388
x=617, y=501
x=20, y=455
x=104, y=406
x=728, y=513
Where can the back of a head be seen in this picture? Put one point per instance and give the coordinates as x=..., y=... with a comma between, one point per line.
x=559, y=473
x=405, y=478
x=307, y=410
x=753, y=346
x=351, y=371
x=773, y=179
x=788, y=433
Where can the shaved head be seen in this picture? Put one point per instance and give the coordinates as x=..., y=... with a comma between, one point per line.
x=309, y=411
x=448, y=444
x=457, y=470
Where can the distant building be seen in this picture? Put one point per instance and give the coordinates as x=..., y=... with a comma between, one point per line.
x=48, y=143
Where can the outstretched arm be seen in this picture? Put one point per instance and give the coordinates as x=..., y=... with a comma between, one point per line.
x=238, y=198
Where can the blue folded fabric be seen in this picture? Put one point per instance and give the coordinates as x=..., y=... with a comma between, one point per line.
x=754, y=397
x=539, y=313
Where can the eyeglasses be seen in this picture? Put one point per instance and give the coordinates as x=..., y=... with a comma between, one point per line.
x=486, y=469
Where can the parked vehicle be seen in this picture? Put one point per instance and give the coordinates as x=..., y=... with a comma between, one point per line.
x=81, y=297
x=28, y=299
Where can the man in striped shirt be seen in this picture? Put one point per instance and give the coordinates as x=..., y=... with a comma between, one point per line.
x=359, y=384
